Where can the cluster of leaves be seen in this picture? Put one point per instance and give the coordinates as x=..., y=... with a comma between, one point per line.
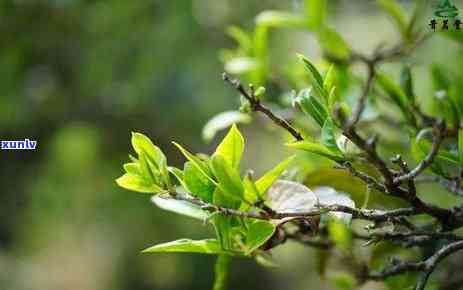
x=251, y=216
x=215, y=181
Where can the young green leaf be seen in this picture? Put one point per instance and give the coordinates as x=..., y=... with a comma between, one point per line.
x=228, y=178
x=155, y=159
x=316, y=79
x=251, y=193
x=222, y=270
x=259, y=232
x=208, y=246
x=223, y=226
x=178, y=174
x=180, y=207
x=222, y=121
x=280, y=19
x=316, y=148
x=406, y=83
x=143, y=145
x=231, y=148
x=394, y=92
x=241, y=37
x=137, y=183
x=340, y=234
x=328, y=136
x=393, y=9
x=315, y=13
x=330, y=79
x=312, y=107
x=267, y=180
x=196, y=183
x=241, y=65
x=133, y=168
x=200, y=165
x=333, y=44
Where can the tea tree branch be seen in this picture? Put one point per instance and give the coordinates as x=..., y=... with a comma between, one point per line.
x=257, y=106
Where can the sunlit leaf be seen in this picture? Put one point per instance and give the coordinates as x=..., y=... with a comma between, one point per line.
x=241, y=65
x=267, y=180
x=333, y=44
x=343, y=281
x=394, y=92
x=328, y=136
x=280, y=19
x=232, y=146
x=393, y=9
x=340, y=234
x=316, y=148
x=289, y=196
x=133, y=168
x=315, y=13
x=180, y=207
x=312, y=107
x=196, y=183
x=208, y=246
x=137, y=183
x=228, y=178
x=316, y=79
x=241, y=37
x=200, y=165
x=259, y=232
x=251, y=193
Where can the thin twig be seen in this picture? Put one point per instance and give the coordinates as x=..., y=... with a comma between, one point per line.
x=257, y=106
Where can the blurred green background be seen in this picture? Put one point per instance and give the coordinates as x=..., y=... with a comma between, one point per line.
x=78, y=76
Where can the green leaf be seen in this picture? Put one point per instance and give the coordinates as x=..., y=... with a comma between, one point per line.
x=267, y=180
x=241, y=65
x=440, y=78
x=232, y=146
x=180, y=207
x=315, y=13
x=406, y=83
x=333, y=45
x=222, y=270
x=460, y=145
x=228, y=178
x=343, y=281
x=393, y=9
x=340, y=234
x=133, y=168
x=155, y=159
x=251, y=193
x=316, y=79
x=136, y=183
x=280, y=19
x=178, y=174
x=200, y=165
x=222, y=225
x=196, y=183
x=222, y=121
x=330, y=79
x=312, y=107
x=316, y=148
x=394, y=92
x=327, y=136
x=259, y=232
x=208, y=246
x=143, y=145
x=241, y=37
